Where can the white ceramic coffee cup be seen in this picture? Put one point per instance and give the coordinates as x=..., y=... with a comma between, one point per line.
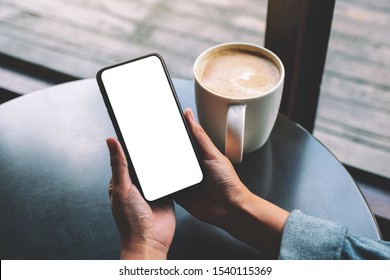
x=237, y=125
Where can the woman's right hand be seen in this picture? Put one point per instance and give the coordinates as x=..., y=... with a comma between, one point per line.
x=223, y=200
x=221, y=189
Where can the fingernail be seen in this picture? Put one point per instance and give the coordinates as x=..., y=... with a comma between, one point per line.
x=110, y=145
x=191, y=114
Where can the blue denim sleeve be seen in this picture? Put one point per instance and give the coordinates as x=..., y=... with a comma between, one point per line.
x=306, y=237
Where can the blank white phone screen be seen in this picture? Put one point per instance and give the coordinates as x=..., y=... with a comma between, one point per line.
x=152, y=127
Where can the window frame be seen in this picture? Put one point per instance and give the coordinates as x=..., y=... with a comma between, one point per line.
x=298, y=31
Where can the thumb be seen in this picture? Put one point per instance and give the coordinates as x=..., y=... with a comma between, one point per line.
x=204, y=143
x=119, y=167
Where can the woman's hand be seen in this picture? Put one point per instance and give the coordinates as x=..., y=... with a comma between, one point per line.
x=146, y=230
x=221, y=189
x=224, y=201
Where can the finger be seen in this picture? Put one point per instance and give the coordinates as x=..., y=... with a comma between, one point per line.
x=163, y=203
x=119, y=167
x=206, y=146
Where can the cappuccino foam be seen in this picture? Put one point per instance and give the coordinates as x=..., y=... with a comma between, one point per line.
x=239, y=73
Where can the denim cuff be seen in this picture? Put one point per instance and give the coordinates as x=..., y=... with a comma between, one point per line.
x=308, y=238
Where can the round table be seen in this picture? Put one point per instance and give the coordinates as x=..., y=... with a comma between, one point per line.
x=54, y=173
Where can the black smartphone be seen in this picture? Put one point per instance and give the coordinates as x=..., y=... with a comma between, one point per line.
x=149, y=123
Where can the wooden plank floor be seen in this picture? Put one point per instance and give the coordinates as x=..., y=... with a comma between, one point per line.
x=81, y=36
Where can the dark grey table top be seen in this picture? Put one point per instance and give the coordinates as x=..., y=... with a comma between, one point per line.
x=54, y=173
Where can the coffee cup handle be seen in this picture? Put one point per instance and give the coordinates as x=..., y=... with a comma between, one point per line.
x=235, y=125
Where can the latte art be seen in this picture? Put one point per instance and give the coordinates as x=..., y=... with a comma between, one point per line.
x=239, y=74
